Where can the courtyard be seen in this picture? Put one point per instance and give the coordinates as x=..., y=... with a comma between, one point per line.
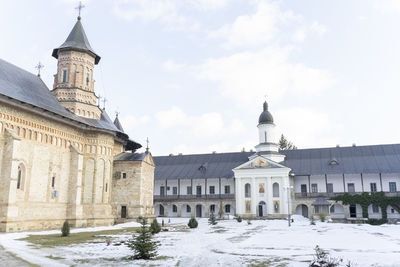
x=261, y=243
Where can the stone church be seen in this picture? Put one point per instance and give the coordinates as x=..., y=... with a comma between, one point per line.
x=61, y=156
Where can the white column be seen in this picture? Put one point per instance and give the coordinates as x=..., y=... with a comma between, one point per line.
x=268, y=191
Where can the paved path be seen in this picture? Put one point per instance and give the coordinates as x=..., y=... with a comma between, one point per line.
x=8, y=260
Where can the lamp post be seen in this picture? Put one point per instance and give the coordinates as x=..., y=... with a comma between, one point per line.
x=291, y=175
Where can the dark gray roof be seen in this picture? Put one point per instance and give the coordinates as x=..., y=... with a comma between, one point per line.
x=77, y=40
x=126, y=156
x=350, y=160
x=354, y=159
x=217, y=165
x=118, y=124
x=265, y=116
x=26, y=87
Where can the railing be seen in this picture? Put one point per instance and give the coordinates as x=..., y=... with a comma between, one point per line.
x=325, y=194
x=188, y=197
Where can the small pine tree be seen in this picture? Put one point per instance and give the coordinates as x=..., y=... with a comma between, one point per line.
x=143, y=245
x=193, y=223
x=155, y=227
x=312, y=222
x=284, y=144
x=212, y=220
x=322, y=259
x=239, y=219
x=248, y=222
x=65, y=229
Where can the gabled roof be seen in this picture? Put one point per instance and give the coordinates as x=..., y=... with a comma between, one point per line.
x=127, y=156
x=316, y=161
x=77, y=40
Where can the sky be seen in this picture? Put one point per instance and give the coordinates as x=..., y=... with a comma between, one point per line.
x=191, y=75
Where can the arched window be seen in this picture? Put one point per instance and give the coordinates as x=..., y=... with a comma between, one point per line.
x=174, y=208
x=275, y=190
x=247, y=191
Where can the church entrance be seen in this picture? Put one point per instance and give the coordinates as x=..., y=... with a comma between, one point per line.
x=262, y=209
x=161, y=211
x=302, y=210
x=198, y=210
x=353, y=211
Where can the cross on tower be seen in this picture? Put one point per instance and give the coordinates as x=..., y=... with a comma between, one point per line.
x=116, y=113
x=147, y=146
x=39, y=66
x=79, y=8
x=104, y=103
x=99, y=100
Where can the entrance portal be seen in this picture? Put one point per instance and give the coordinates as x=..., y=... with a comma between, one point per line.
x=262, y=209
x=198, y=211
x=353, y=211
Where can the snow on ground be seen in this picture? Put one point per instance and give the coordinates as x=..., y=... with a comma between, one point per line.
x=270, y=242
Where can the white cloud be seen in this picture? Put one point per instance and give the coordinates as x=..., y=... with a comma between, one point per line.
x=209, y=124
x=130, y=123
x=248, y=76
x=208, y=4
x=172, y=66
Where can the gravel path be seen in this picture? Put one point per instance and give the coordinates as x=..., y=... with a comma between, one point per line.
x=8, y=260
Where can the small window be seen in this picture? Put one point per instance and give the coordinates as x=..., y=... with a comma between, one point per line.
x=373, y=187
x=392, y=210
x=174, y=190
x=351, y=188
x=227, y=208
x=247, y=192
x=106, y=187
x=212, y=209
x=314, y=188
x=87, y=79
x=375, y=208
x=212, y=190
x=275, y=190
x=329, y=188
x=227, y=189
x=19, y=178
x=392, y=187
x=168, y=188
x=123, y=174
x=189, y=190
x=53, y=181
x=188, y=209
x=64, y=76
x=174, y=208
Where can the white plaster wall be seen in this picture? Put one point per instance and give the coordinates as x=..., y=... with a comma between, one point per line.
x=371, y=178
x=337, y=181
x=320, y=181
x=355, y=179
x=298, y=181
x=386, y=178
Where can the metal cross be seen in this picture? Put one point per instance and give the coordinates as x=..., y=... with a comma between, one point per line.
x=99, y=100
x=39, y=66
x=116, y=113
x=147, y=141
x=79, y=8
x=104, y=102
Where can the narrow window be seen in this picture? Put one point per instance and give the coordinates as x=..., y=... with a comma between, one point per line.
x=174, y=190
x=275, y=190
x=162, y=190
x=351, y=188
x=303, y=189
x=212, y=190
x=329, y=188
x=87, y=79
x=373, y=187
x=314, y=188
x=392, y=187
x=247, y=190
x=265, y=137
x=212, y=208
x=19, y=178
x=188, y=209
x=198, y=190
x=106, y=187
x=53, y=181
x=227, y=189
x=189, y=190
x=174, y=208
x=64, y=76
x=123, y=211
x=123, y=175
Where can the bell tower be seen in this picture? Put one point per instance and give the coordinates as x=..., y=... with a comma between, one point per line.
x=74, y=84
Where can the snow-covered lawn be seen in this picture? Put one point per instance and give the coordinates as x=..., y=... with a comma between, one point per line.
x=268, y=242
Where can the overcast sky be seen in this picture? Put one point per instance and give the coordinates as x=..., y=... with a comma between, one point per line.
x=192, y=74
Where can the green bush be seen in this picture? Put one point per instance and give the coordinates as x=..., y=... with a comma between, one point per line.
x=322, y=259
x=322, y=217
x=193, y=223
x=155, y=227
x=239, y=219
x=143, y=245
x=248, y=222
x=65, y=229
x=312, y=221
x=376, y=221
x=212, y=220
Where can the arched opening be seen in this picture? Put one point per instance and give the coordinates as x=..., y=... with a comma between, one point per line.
x=247, y=190
x=275, y=190
x=186, y=211
x=262, y=209
x=161, y=210
x=173, y=211
x=302, y=210
x=374, y=211
x=199, y=211
x=336, y=211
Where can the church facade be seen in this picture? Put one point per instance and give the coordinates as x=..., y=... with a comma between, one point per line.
x=273, y=183
x=58, y=149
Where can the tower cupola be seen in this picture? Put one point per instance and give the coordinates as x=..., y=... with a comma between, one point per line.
x=265, y=116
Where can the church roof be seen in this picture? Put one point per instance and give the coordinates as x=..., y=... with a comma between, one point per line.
x=316, y=161
x=117, y=124
x=78, y=40
x=127, y=156
x=265, y=116
x=26, y=87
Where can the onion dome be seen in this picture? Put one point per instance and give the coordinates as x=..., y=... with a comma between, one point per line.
x=265, y=116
